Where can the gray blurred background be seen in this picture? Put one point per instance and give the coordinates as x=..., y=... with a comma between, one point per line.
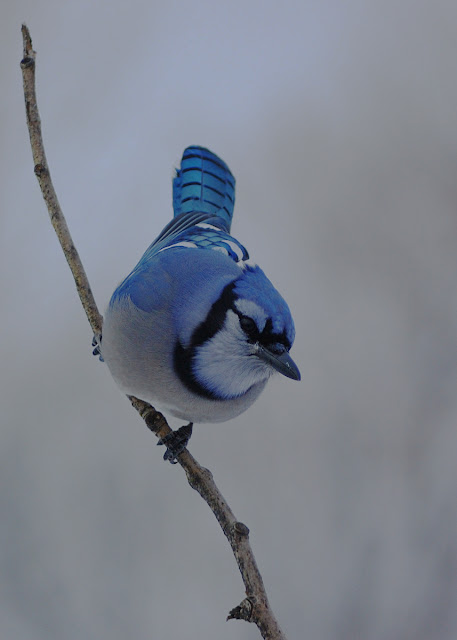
x=339, y=123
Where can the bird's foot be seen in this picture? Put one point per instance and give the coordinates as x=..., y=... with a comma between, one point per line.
x=176, y=442
x=97, y=343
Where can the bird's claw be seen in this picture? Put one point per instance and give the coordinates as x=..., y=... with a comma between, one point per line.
x=97, y=342
x=176, y=442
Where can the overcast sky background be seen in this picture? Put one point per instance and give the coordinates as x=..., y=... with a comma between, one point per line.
x=339, y=122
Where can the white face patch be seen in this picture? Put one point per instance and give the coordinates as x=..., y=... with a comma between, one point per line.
x=227, y=363
x=252, y=310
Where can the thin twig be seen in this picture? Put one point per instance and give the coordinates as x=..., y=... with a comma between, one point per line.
x=255, y=607
x=47, y=188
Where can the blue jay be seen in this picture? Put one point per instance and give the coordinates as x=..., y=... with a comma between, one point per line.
x=196, y=328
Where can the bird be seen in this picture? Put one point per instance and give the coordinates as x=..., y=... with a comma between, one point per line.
x=197, y=328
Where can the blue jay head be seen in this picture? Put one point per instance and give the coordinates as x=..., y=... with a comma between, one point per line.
x=244, y=339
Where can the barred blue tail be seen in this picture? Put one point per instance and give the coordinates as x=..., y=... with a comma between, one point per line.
x=205, y=184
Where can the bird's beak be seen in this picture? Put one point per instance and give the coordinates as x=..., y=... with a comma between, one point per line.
x=282, y=362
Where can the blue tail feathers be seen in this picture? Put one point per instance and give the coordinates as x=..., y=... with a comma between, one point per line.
x=204, y=183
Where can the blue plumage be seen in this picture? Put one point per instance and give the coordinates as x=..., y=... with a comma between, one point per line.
x=196, y=328
x=204, y=183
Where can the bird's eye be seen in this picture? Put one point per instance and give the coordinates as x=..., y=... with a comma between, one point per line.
x=249, y=326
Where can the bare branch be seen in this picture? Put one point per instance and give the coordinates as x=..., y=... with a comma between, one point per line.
x=47, y=188
x=255, y=607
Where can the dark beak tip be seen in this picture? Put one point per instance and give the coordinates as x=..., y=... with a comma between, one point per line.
x=282, y=362
x=295, y=374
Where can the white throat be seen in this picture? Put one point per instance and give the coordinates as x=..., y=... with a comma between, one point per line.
x=226, y=364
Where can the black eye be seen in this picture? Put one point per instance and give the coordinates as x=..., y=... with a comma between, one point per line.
x=249, y=326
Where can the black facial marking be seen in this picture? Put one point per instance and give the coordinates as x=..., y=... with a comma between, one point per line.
x=268, y=337
x=249, y=327
x=183, y=356
x=182, y=361
x=267, y=333
x=215, y=318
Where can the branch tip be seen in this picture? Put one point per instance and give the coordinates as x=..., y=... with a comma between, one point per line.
x=27, y=45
